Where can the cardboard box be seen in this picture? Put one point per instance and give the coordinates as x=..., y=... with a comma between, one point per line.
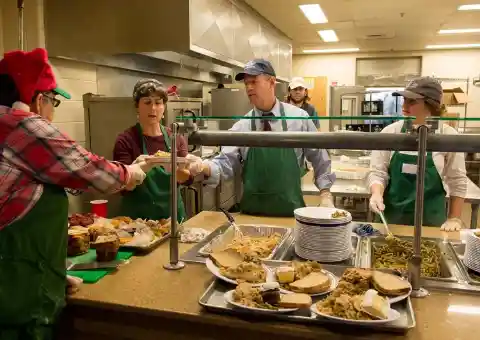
x=454, y=96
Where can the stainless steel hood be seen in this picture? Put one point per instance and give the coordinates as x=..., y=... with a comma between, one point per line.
x=224, y=32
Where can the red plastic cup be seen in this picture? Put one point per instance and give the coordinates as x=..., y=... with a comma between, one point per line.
x=99, y=207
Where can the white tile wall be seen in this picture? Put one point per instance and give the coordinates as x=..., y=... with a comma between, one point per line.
x=77, y=79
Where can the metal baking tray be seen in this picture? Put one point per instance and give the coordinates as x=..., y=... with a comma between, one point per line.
x=212, y=300
x=473, y=277
x=256, y=230
x=447, y=263
x=147, y=248
x=290, y=255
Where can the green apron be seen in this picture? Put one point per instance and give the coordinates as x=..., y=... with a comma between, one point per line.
x=33, y=251
x=400, y=194
x=151, y=200
x=271, y=180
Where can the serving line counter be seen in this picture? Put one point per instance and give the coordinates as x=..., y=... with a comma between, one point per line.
x=358, y=189
x=144, y=301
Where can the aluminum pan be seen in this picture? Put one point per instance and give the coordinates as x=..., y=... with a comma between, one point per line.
x=459, y=250
x=255, y=231
x=446, y=265
x=147, y=248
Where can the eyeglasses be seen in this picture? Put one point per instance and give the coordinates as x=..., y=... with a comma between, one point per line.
x=55, y=102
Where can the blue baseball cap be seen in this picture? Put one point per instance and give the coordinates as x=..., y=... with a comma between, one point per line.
x=256, y=67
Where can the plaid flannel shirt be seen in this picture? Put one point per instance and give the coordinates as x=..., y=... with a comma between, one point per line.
x=34, y=152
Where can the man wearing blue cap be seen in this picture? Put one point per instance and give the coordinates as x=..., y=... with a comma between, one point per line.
x=271, y=176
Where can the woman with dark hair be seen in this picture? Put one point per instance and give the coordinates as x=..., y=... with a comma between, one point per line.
x=392, y=179
x=37, y=162
x=151, y=200
x=298, y=96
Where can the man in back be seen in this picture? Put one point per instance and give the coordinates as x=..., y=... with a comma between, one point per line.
x=271, y=176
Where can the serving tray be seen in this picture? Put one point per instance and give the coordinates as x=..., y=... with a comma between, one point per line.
x=213, y=300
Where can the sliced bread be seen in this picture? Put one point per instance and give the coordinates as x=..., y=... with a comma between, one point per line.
x=313, y=283
x=295, y=300
x=226, y=259
x=389, y=284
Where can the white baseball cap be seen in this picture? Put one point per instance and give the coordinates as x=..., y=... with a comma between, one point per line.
x=298, y=82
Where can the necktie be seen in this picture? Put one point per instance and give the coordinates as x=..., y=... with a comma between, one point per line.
x=266, y=122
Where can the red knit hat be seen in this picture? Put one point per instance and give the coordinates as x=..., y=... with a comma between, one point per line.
x=31, y=73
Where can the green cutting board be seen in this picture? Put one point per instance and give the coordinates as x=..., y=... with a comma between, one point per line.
x=93, y=275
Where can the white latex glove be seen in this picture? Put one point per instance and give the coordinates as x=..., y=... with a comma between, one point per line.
x=137, y=175
x=195, y=164
x=376, y=203
x=326, y=199
x=73, y=284
x=452, y=224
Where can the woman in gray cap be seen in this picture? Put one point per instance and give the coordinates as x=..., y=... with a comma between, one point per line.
x=151, y=200
x=392, y=179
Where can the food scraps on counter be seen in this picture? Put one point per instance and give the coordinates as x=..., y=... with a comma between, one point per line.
x=355, y=297
x=396, y=254
x=303, y=277
x=268, y=296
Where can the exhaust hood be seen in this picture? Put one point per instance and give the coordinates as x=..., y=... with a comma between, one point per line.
x=227, y=31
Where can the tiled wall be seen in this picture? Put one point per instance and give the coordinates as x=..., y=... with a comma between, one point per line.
x=77, y=79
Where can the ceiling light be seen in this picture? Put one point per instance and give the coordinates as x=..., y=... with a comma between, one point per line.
x=328, y=35
x=457, y=31
x=333, y=50
x=314, y=14
x=473, y=7
x=453, y=46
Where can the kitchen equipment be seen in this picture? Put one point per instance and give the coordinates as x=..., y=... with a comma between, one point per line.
x=384, y=221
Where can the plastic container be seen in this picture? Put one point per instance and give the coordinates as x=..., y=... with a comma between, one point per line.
x=99, y=207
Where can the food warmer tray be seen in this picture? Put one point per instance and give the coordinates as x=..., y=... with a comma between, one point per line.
x=354, y=261
x=213, y=300
x=147, y=248
x=458, y=249
x=197, y=254
x=448, y=266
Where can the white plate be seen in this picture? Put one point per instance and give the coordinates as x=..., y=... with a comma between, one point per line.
x=399, y=298
x=165, y=160
x=216, y=271
x=320, y=214
x=333, y=284
x=229, y=298
x=392, y=316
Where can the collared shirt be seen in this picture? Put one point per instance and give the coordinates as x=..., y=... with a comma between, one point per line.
x=450, y=165
x=231, y=158
x=34, y=152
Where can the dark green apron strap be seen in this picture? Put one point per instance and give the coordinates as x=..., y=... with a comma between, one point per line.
x=166, y=138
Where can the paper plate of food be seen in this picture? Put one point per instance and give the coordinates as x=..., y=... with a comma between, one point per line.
x=230, y=266
x=391, y=286
x=162, y=157
x=305, y=277
x=266, y=298
x=368, y=308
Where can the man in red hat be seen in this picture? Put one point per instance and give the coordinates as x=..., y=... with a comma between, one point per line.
x=37, y=162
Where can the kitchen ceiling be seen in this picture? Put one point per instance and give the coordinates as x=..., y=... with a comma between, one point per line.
x=373, y=25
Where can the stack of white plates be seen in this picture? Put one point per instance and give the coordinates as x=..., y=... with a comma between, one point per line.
x=471, y=257
x=319, y=237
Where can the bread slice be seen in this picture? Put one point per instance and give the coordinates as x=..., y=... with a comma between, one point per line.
x=389, y=284
x=226, y=259
x=295, y=300
x=313, y=283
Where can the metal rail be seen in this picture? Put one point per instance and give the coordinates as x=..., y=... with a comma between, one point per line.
x=336, y=140
x=174, y=263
